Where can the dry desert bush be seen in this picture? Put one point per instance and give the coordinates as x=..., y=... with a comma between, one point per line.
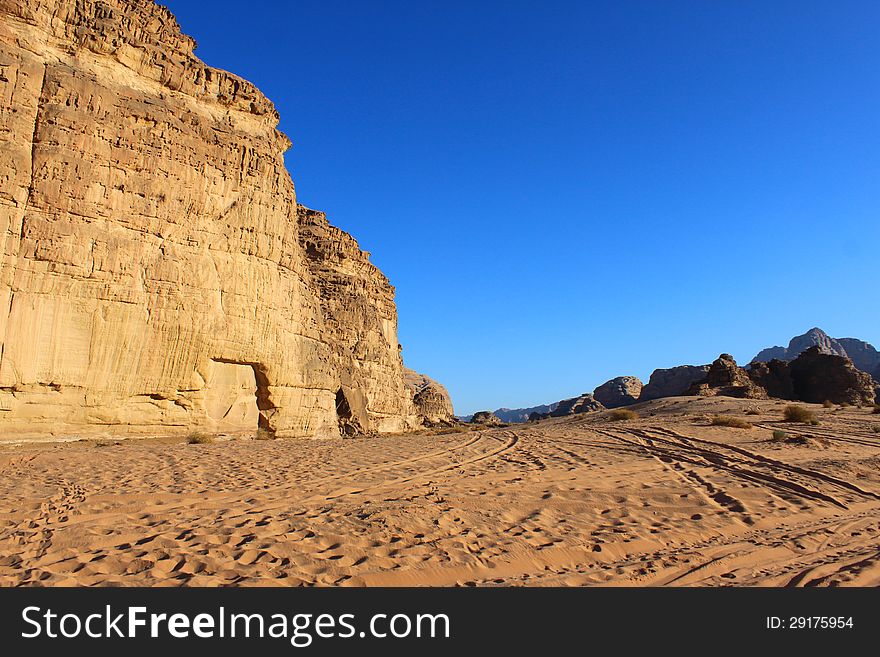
x=729, y=421
x=619, y=414
x=794, y=413
x=199, y=438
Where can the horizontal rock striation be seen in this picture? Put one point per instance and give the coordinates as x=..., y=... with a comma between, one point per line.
x=157, y=273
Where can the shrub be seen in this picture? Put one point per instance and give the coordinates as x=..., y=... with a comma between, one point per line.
x=753, y=411
x=827, y=404
x=876, y=428
x=793, y=413
x=728, y=421
x=265, y=434
x=623, y=414
x=199, y=438
x=779, y=434
x=876, y=410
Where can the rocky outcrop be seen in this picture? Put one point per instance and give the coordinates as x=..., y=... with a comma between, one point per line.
x=726, y=379
x=359, y=324
x=817, y=377
x=432, y=402
x=673, y=382
x=157, y=273
x=486, y=417
x=583, y=404
x=621, y=391
x=774, y=377
x=815, y=337
x=863, y=355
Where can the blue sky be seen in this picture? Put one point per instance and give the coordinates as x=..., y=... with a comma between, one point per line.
x=563, y=192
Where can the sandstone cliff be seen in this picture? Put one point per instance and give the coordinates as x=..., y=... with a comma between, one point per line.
x=432, y=402
x=673, y=381
x=156, y=270
x=582, y=404
x=620, y=391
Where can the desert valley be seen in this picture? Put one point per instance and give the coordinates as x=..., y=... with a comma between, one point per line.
x=201, y=381
x=663, y=499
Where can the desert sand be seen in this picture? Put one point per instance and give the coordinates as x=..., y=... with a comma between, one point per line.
x=662, y=500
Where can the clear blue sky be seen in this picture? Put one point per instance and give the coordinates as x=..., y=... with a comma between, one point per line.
x=563, y=192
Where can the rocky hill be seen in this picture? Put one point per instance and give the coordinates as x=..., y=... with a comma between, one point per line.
x=863, y=355
x=157, y=272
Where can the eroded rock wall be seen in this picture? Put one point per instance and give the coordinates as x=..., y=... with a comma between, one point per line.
x=152, y=266
x=360, y=318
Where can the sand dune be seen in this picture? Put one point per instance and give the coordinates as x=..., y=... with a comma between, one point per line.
x=662, y=500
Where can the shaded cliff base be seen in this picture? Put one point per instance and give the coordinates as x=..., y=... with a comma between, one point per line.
x=662, y=499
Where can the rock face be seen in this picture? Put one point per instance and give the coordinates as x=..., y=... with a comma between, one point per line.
x=725, y=378
x=486, y=417
x=673, y=381
x=863, y=355
x=817, y=376
x=583, y=404
x=432, y=402
x=621, y=391
x=774, y=377
x=157, y=273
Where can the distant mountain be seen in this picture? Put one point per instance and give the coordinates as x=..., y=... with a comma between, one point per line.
x=515, y=415
x=863, y=355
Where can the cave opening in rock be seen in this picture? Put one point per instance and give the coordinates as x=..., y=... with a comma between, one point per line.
x=344, y=415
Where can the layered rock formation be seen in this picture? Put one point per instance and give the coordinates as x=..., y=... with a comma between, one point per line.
x=725, y=378
x=863, y=355
x=432, y=402
x=620, y=391
x=583, y=404
x=673, y=381
x=156, y=270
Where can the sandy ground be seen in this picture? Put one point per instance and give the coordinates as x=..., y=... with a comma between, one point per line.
x=662, y=500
